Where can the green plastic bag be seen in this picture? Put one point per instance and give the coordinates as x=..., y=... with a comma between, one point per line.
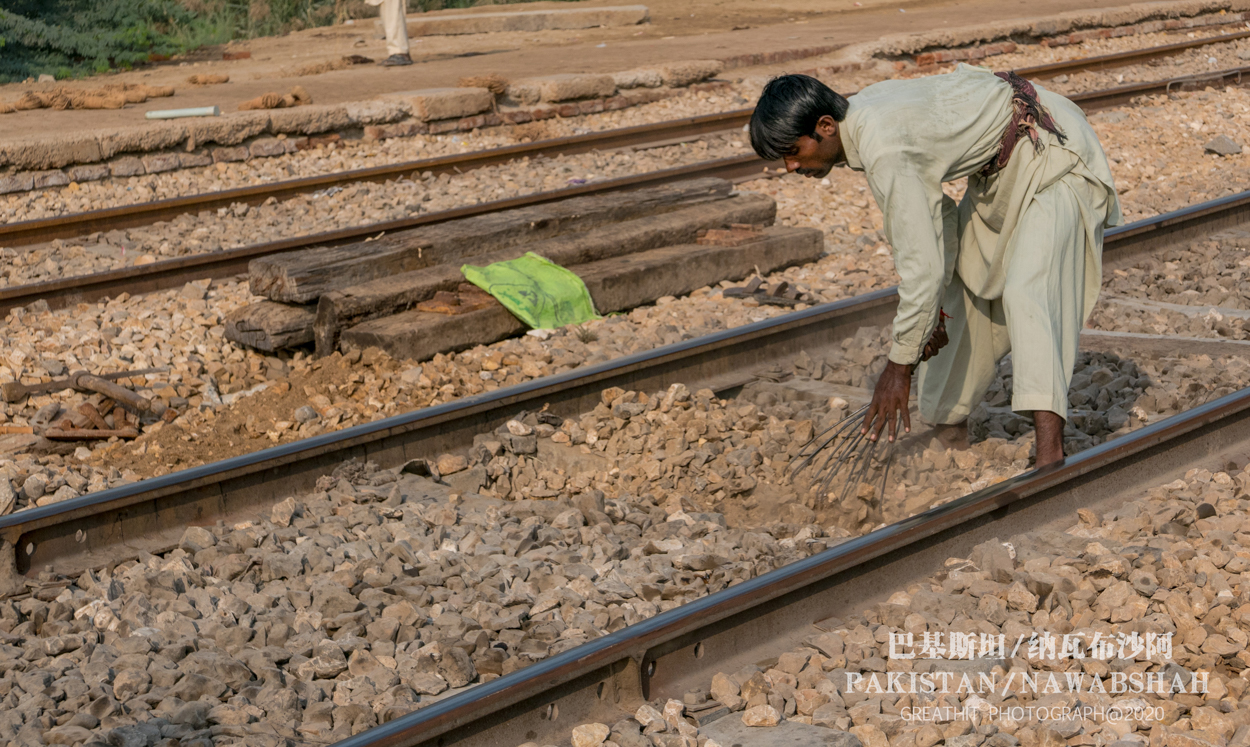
x=537, y=291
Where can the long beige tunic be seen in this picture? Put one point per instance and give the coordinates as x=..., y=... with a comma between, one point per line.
x=908, y=137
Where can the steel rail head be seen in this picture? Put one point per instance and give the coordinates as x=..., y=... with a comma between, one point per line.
x=196, y=477
x=510, y=396
x=432, y=724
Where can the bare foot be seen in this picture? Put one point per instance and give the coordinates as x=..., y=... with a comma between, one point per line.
x=953, y=437
x=1049, y=437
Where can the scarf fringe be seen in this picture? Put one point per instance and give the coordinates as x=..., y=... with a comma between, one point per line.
x=1027, y=115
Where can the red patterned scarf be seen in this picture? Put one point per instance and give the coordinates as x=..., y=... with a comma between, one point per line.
x=1027, y=115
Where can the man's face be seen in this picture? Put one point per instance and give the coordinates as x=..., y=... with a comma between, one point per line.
x=814, y=156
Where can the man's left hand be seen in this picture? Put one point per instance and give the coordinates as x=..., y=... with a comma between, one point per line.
x=889, y=402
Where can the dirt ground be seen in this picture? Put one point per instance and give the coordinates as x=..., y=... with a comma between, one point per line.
x=678, y=30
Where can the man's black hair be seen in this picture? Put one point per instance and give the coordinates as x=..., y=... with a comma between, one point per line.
x=789, y=108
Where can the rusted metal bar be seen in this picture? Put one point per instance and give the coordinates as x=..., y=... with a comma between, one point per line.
x=117, y=393
x=12, y=391
x=87, y=434
x=88, y=409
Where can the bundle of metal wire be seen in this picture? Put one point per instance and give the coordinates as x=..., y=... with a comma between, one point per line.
x=845, y=448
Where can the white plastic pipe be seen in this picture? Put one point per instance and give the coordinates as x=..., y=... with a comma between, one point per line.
x=199, y=111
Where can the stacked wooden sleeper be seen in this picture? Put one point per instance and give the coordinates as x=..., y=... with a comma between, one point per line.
x=630, y=248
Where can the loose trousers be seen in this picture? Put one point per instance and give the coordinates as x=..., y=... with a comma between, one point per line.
x=395, y=22
x=1038, y=318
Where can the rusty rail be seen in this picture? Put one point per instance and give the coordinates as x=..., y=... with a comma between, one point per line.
x=683, y=648
x=150, y=515
x=1122, y=59
x=129, y=216
x=172, y=273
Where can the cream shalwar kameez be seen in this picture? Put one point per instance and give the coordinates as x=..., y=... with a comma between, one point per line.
x=1017, y=265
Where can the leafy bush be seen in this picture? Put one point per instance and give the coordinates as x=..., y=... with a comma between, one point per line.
x=65, y=36
x=72, y=38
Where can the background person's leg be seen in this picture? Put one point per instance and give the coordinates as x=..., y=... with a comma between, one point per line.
x=395, y=23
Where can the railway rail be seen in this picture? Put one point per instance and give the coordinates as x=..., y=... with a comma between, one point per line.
x=1128, y=57
x=648, y=135
x=679, y=650
x=172, y=273
x=149, y=516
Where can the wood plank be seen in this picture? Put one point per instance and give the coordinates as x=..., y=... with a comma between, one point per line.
x=344, y=308
x=615, y=284
x=270, y=326
x=304, y=276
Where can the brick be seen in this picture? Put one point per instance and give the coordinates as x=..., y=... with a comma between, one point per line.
x=446, y=125
x=231, y=154
x=567, y=110
x=543, y=112
x=470, y=123
x=1150, y=27
x=590, y=107
x=88, y=172
x=156, y=163
x=126, y=166
x=1173, y=24
x=318, y=140
x=266, y=146
x=293, y=143
x=927, y=58
x=492, y=120
x=19, y=182
x=615, y=103
x=517, y=117
x=51, y=178
x=944, y=55
x=193, y=160
x=434, y=104
x=1007, y=47
x=374, y=132
x=976, y=53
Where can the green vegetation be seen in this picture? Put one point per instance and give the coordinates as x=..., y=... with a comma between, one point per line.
x=72, y=38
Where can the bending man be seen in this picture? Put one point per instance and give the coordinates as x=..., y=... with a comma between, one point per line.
x=1015, y=266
